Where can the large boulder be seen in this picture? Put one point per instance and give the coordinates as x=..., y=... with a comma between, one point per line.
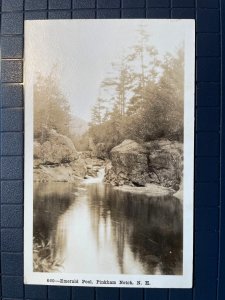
x=129, y=164
x=79, y=168
x=159, y=162
x=166, y=162
x=57, y=149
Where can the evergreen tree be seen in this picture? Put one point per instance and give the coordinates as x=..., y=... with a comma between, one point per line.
x=120, y=82
x=99, y=112
x=148, y=96
x=144, y=56
x=51, y=109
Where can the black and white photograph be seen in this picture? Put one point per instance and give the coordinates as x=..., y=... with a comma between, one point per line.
x=109, y=152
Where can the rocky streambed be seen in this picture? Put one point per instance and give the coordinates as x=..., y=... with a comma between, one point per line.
x=154, y=168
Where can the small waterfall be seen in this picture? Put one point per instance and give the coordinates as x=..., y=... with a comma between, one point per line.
x=98, y=179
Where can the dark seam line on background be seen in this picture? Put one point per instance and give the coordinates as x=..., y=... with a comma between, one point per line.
x=104, y=8
x=221, y=135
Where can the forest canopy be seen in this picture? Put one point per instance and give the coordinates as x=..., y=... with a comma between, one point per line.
x=147, y=97
x=52, y=110
x=141, y=98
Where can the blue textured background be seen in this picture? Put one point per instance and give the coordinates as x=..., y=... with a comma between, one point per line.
x=209, y=254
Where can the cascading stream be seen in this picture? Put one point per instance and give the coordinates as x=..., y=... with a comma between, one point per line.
x=98, y=179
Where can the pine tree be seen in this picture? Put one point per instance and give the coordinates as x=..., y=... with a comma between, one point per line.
x=51, y=108
x=120, y=83
x=145, y=56
x=143, y=97
x=99, y=111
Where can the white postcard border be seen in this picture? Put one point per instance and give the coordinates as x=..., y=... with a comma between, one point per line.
x=105, y=280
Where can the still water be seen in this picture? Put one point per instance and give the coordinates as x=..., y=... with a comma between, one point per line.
x=93, y=228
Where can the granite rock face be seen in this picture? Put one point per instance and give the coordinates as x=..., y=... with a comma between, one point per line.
x=166, y=163
x=58, y=160
x=158, y=162
x=57, y=149
x=129, y=164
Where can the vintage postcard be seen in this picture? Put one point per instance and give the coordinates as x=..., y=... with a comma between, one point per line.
x=109, y=152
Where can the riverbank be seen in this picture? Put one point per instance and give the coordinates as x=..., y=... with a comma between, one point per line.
x=95, y=173
x=151, y=190
x=153, y=168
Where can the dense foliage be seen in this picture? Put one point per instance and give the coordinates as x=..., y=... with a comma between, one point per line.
x=51, y=109
x=141, y=99
x=146, y=97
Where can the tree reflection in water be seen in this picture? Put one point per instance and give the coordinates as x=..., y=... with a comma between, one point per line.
x=109, y=231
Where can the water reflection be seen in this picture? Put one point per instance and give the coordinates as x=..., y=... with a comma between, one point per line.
x=97, y=229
